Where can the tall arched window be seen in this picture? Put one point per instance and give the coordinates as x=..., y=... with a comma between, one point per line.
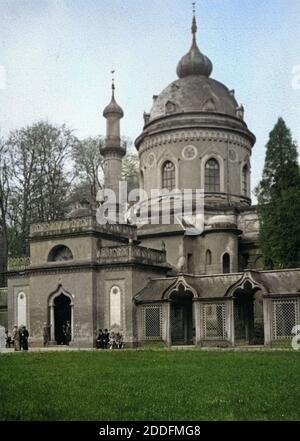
x=226, y=263
x=208, y=257
x=212, y=175
x=115, y=307
x=168, y=176
x=22, y=309
x=245, y=180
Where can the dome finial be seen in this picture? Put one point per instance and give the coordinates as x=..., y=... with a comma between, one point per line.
x=194, y=23
x=113, y=107
x=113, y=82
x=194, y=62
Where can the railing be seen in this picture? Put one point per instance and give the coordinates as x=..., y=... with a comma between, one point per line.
x=131, y=253
x=80, y=224
x=18, y=263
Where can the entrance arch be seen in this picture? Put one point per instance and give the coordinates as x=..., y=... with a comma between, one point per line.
x=61, y=311
x=248, y=316
x=182, y=323
x=182, y=327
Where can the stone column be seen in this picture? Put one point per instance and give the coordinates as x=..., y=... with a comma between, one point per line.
x=267, y=308
x=168, y=324
x=52, y=324
x=197, y=318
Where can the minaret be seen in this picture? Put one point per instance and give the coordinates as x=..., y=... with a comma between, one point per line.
x=112, y=151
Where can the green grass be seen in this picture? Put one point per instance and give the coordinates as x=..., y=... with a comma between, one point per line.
x=150, y=385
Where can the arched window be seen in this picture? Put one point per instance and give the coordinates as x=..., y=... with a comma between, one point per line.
x=226, y=263
x=245, y=180
x=115, y=307
x=208, y=257
x=22, y=309
x=60, y=253
x=168, y=176
x=212, y=175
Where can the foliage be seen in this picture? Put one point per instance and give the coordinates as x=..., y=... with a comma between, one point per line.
x=130, y=171
x=279, y=201
x=87, y=159
x=152, y=385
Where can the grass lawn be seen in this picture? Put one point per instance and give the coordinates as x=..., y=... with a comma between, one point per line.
x=150, y=385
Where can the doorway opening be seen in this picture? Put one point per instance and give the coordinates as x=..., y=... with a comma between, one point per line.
x=62, y=315
x=248, y=316
x=182, y=322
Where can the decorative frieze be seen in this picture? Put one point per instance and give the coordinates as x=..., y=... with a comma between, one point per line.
x=194, y=135
x=131, y=253
x=82, y=224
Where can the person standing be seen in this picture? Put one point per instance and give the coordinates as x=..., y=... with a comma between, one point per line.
x=24, y=338
x=16, y=338
x=99, y=341
x=105, y=338
x=8, y=339
x=46, y=334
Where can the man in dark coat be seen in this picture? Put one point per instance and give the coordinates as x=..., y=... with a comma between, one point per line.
x=24, y=334
x=99, y=341
x=105, y=338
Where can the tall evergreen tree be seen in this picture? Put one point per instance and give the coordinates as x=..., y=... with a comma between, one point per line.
x=279, y=201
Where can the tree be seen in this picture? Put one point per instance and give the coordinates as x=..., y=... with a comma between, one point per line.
x=5, y=181
x=40, y=178
x=87, y=159
x=130, y=171
x=279, y=201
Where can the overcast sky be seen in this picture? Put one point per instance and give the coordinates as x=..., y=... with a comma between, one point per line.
x=56, y=58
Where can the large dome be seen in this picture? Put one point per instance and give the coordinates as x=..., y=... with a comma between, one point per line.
x=194, y=93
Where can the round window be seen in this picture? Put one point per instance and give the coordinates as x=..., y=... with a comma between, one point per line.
x=189, y=152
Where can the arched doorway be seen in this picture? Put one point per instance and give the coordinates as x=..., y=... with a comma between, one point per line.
x=182, y=320
x=248, y=316
x=61, y=311
x=62, y=315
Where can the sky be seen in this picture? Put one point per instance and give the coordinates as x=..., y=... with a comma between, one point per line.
x=56, y=57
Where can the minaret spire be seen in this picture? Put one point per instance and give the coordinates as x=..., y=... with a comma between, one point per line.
x=113, y=150
x=112, y=83
x=194, y=23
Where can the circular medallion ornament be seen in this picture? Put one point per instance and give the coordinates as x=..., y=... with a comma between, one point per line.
x=189, y=152
x=151, y=159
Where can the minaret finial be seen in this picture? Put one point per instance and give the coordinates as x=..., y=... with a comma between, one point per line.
x=194, y=24
x=113, y=82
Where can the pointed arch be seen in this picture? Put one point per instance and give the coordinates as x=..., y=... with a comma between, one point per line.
x=59, y=291
x=246, y=281
x=180, y=285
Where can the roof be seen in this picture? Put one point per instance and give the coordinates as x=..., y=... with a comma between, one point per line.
x=221, y=285
x=194, y=93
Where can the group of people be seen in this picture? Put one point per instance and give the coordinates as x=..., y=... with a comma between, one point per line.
x=106, y=340
x=18, y=339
